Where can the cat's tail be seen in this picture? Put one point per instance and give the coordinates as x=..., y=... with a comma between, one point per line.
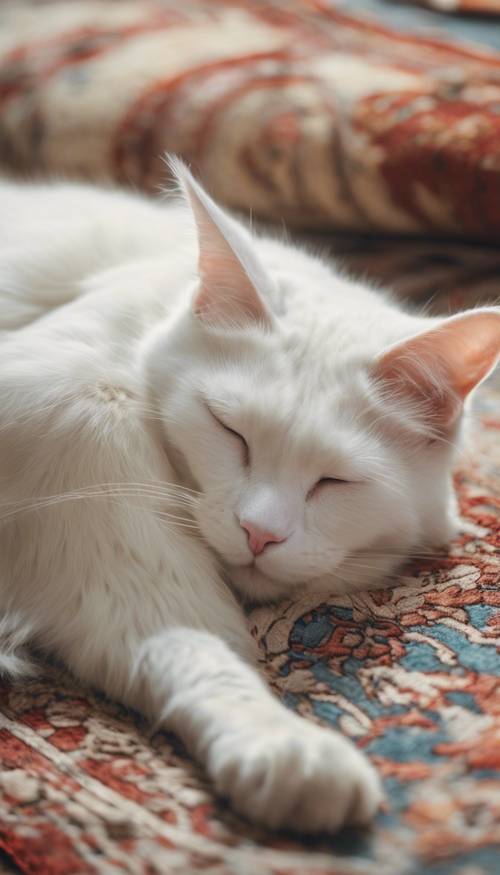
x=14, y=636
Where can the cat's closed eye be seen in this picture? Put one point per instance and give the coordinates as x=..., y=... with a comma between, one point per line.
x=324, y=482
x=232, y=431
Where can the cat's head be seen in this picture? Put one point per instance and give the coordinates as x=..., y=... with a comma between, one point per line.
x=315, y=418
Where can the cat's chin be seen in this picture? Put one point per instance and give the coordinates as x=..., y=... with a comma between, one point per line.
x=255, y=587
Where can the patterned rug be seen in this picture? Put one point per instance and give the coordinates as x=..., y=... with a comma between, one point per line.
x=297, y=109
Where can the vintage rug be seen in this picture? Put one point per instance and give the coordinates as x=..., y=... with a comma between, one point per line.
x=313, y=112
x=411, y=673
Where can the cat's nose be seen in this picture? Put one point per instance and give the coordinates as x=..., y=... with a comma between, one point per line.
x=258, y=539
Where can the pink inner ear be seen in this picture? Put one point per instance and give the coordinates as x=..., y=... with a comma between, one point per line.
x=423, y=385
x=440, y=367
x=229, y=270
x=481, y=347
x=226, y=293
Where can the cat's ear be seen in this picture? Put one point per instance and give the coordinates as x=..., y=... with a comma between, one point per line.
x=437, y=369
x=229, y=271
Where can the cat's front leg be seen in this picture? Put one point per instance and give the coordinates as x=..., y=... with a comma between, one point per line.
x=182, y=655
x=275, y=768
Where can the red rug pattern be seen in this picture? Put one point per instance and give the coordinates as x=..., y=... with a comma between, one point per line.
x=299, y=110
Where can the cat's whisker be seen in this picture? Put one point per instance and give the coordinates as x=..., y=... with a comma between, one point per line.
x=114, y=490
x=404, y=556
x=345, y=581
x=375, y=569
x=390, y=483
x=174, y=522
x=177, y=521
x=100, y=491
x=170, y=491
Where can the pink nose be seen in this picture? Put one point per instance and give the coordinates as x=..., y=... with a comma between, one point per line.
x=259, y=539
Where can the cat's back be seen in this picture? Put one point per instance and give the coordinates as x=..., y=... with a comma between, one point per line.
x=55, y=238
x=101, y=215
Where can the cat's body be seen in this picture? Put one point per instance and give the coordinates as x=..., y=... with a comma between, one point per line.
x=169, y=423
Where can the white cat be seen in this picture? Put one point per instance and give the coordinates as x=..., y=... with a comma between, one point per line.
x=182, y=405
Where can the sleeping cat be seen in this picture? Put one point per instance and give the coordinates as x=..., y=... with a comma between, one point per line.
x=191, y=417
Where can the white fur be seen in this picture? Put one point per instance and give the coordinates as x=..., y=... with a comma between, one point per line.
x=122, y=496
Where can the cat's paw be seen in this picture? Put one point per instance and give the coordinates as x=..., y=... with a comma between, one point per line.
x=293, y=774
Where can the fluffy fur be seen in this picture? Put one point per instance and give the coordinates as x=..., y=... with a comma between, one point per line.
x=189, y=412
